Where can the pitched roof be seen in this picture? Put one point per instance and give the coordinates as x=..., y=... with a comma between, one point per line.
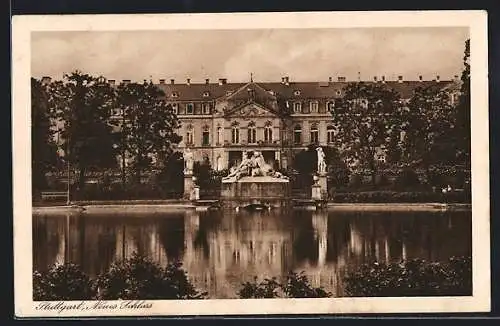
x=298, y=90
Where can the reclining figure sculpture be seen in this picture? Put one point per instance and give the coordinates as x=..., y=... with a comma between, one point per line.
x=253, y=166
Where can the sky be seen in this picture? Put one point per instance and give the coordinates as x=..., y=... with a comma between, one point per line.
x=269, y=54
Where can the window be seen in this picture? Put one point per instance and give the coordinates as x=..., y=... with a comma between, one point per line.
x=175, y=94
x=205, y=138
x=297, y=107
x=268, y=133
x=330, y=105
x=219, y=135
x=235, y=134
x=175, y=108
x=330, y=134
x=206, y=94
x=190, y=108
x=206, y=108
x=297, y=135
x=252, y=133
x=189, y=135
x=296, y=93
x=314, y=134
x=314, y=107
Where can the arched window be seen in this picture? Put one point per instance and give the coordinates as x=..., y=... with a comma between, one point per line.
x=205, y=138
x=220, y=138
x=268, y=133
x=189, y=135
x=252, y=133
x=297, y=135
x=330, y=134
x=235, y=133
x=314, y=134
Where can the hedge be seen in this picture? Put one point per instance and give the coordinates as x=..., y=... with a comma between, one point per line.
x=400, y=197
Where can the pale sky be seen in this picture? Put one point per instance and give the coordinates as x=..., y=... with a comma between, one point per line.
x=301, y=54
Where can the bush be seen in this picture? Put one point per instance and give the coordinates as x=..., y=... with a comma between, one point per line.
x=62, y=282
x=407, y=179
x=412, y=278
x=294, y=285
x=140, y=278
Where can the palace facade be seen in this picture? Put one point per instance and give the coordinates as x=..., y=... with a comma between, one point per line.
x=221, y=120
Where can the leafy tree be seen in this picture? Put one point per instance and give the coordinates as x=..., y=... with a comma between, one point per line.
x=140, y=278
x=62, y=282
x=429, y=129
x=43, y=148
x=366, y=119
x=463, y=129
x=148, y=125
x=83, y=104
x=412, y=278
x=294, y=285
x=171, y=176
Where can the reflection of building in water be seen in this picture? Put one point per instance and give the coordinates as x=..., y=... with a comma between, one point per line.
x=239, y=248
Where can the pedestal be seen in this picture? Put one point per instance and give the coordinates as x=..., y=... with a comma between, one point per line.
x=188, y=185
x=323, y=183
x=316, y=192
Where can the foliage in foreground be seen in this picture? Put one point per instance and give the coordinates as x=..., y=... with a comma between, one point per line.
x=131, y=279
x=412, y=278
x=294, y=285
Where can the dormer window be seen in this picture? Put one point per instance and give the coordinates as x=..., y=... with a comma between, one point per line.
x=339, y=92
x=297, y=107
x=313, y=106
x=296, y=93
x=206, y=94
x=206, y=108
x=175, y=94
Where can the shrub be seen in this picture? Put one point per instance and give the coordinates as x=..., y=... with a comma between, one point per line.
x=407, y=179
x=294, y=285
x=400, y=197
x=62, y=282
x=140, y=278
x=412, y=278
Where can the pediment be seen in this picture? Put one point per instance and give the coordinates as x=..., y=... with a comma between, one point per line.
x=250, y=110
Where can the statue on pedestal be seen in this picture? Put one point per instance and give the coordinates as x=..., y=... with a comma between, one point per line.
x=188, y=161
x=321, y=160
x=254, y=166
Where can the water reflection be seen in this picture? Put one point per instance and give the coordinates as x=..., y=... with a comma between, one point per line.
x=221, y=250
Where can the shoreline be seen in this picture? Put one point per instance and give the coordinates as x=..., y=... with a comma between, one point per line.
x=160, y=206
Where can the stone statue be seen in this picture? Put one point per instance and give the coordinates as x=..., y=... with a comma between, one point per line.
x=188, y=161
x=254, y=166
x=321, y=160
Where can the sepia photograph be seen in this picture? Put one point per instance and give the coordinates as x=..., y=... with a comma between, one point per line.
x=200, y=164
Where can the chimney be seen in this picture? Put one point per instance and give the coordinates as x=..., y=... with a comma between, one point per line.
x=207, y=81
x=126, y=81
x=420, y=78
x=375, y=79
x=341, y=79
x=437, y=78
x=330, y=79
x=456, y=77
x=162, y=81
x=111, y=82
x=400, y=79
x=188, y=81
x=222, y=81
x=46, y=80
x=287, y=81
x=383, y=79
x=172, y=81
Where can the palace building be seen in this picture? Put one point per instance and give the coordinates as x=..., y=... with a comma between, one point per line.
x=221, y=120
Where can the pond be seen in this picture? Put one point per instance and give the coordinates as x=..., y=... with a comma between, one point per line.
x=220, y=250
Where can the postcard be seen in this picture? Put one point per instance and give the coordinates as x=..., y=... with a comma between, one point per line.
x=251, y=164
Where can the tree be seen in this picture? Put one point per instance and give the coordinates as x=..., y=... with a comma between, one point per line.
x=148, y=128
x=83, y=104
x=43, y=148
x=366, y=120
x=429, y=128
x=463, y=130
